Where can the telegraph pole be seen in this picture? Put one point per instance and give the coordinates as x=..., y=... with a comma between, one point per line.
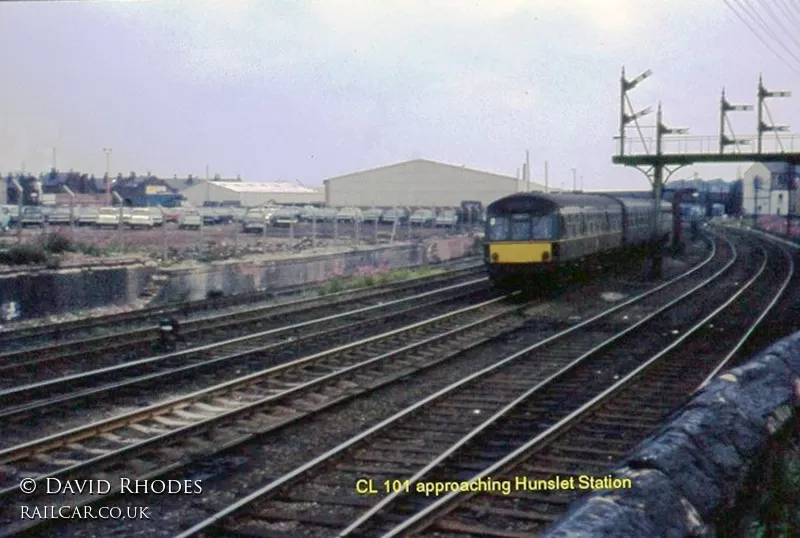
x=574, y=180
x=107, y=151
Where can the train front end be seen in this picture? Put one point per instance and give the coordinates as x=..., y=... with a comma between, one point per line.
x=519, y=246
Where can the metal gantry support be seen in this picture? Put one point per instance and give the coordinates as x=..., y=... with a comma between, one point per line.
x=724, y=108
x=653, y=165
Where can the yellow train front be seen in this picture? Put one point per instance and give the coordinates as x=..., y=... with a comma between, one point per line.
x=533, y=235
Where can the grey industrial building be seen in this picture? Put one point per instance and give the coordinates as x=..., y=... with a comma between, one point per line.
x=251, y=194
x=420, y=183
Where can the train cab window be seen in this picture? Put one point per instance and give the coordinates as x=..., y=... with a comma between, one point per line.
x=520, y=227
x=497, y=228
x=543, y=228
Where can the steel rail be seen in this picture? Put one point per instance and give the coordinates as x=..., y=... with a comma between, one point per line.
x=288, y=478
x=33, y=448
x=231, y=301
x=25, y=392
x=724, y=363
x=484, y=329
x=413, y=522
x=35, y=356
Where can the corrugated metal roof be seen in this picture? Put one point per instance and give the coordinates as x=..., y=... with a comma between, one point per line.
x=262, y=187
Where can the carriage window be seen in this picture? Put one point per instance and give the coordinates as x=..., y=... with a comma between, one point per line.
x=497, y=228
x=543, y=228
x=520, y=226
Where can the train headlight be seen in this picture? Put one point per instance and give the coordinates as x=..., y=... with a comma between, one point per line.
x=495, y=257
x=545, y=256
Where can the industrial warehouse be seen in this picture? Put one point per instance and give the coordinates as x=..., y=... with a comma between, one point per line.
x=420, y=183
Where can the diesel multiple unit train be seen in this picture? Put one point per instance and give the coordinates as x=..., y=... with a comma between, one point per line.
x=531, y=235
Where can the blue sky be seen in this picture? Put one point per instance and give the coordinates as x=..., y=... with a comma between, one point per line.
x=309, y=89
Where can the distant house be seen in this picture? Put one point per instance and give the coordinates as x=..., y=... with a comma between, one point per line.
x=766, y=189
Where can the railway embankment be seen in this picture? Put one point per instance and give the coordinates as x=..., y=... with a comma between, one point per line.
x=47, y=292
x=710, y=469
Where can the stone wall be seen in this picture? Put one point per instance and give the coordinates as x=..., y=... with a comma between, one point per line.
x=47, y=292
x=698, y=474
x=231, y=277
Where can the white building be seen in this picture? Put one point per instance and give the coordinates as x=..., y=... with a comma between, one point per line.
x=420, y=183
x=251, y=194
x=764, y=189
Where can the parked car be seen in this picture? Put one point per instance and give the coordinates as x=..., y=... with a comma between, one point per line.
x=224, y=214
x=32, y=216
x=5, y=219
x=87, y=216
x=447, y=218
x=325, y=214
x=61, y=215
x=190, y=218
x=285, y=216
x=13, y=213
x=172, y=214
x=422, y=217
x=141, y=217
x=107, y=217
x=158, y=216
x=372, y=215
x=349, y=214
x=256, y=220
x=209, y=215
x=390, y=216
x=307, y=213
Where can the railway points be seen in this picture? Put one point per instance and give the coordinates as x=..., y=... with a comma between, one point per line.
x=601, y=303
x=484, y=456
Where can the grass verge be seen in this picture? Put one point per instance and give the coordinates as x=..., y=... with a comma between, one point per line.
x=376, y=277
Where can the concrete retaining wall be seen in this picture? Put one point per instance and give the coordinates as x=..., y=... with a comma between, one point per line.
x=49, y=292
x=232, y=277
x=689, y=479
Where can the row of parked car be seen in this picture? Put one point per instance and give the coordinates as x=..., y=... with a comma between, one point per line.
x=257, y=219
x=100, y=217
x=254, y=219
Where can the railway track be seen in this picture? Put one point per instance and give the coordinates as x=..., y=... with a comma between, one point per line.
x=143, y=318
x=602, y=431
x=463, y=429
x=108, y=389
x=159, y=436
x=305, y=403
x=60, y=360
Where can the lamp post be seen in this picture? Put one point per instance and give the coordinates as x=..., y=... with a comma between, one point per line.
x=107, y=151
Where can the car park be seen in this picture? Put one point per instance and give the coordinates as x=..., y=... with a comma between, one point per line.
x=371, y=215
x=5, y=219
x=390, y=216
x=349, y=214
x=447, y=218
x=190, y=219
x=158, y=216
x=87, y=216
x=256, y=220
x=62, y=214
x=224, y=214
x=141, y=217
x=422, y=217
x=107, y=217
x=209, y=215
x=286, y=216
x=32, y=216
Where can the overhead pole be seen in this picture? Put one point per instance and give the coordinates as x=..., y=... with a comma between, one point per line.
x=546, y=178
x=527, y=170
x=763, y=94
x=107, y=151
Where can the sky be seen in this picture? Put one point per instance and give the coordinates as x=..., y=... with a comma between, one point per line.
x=304, y=90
